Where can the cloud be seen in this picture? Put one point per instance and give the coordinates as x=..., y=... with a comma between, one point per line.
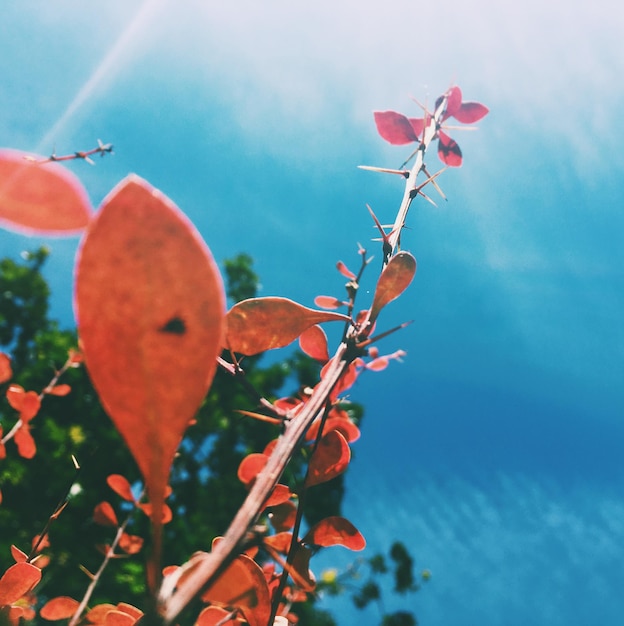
x=505, y=549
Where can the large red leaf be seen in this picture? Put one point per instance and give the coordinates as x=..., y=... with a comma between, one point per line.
x=395, y=278
x=242, y=585
x=335, y=531
x=330, y=458
x=150, y=307
x=261, y=324
x=40, y=197
x=18, y=580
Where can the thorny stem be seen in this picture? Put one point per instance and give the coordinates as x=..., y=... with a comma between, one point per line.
x=95, y=578
x=411, y=187
x=294, y=542
x=207, y=567
x=85, y=155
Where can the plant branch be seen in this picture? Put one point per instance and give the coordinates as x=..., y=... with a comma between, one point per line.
x=207, y=567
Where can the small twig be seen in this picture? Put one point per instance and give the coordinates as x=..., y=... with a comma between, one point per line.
x=85, y=155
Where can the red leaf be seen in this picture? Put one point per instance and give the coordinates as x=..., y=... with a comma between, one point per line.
x=18, y=555
x=279, y=542
x=313, y=342
x=130, y=609
x=471, y=112
x=120, y=485
x=30, y=405
x=300, y=570
x=251, y=466
x=41, y=198
x=394, y=127
x=150, y=307
x=448, y=151
x=261, y=324
x=328, y=302
x=395, y=278
x=17, y=581
x=119, y=618
x=345, y=271
x=330, y=458
x=98, y=613
x=105, y=515
x=279, y=495
x=15, y=396
x=453, y=102
x=26, y=447
x=59, y=608
x=335, y=531
x=148, y=509
x=344, y=426
x=214, y=616
x=418, y=124
x=130, y=544
x=282, y=516
x=5, y=367
x=58, y=390
x=242, y=585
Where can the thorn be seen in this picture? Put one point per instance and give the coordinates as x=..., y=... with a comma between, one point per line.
x=432, y=180
x=409, y=158
x=384, y=170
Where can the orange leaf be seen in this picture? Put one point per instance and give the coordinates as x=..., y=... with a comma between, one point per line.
x=30, y=405
x=279, y=495
x=18, y=555
x=119, y=618
x=260, y=324
x=330, y=458
x=335, y=531
x=98, y=613
x=328, y=302
x=300, y=569
x=41, y=198
x=17, y=581
x=130, y=544
x=242, y=585
x=59, y=608
x=130, y=609
x=5, y=367
x=282, y=516
x=147, y=508
x=345, y=271
x=214, y=616
x=58, y=390
x=150, y=309
x=120, y=485
x=395, y=278
x=15, y=396
x=25, y=443
x=251, y=466
x=313, y=342
x=279, y=542
x=105, y=515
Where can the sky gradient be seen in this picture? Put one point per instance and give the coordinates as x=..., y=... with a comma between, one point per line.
x=495, y=449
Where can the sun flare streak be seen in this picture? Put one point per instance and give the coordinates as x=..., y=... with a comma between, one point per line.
x=129, y=39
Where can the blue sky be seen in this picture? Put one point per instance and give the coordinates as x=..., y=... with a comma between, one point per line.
x=494, y=449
